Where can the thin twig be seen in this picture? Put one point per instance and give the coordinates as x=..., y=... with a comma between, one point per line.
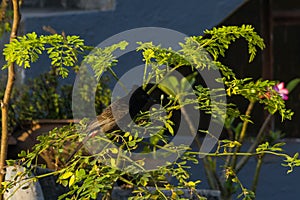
x=208, y=173
x=190, y=125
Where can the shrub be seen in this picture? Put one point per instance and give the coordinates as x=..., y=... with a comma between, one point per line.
x=87, y=175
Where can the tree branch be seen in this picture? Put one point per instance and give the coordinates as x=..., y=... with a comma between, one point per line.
x=258, y=139
x=243, y=133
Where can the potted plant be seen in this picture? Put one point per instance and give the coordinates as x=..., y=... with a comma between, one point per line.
x=96, y=172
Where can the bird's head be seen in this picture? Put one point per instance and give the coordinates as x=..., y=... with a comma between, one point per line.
x=140, y=101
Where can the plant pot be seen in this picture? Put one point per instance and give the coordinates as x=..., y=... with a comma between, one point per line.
x=48, y=188
x=26, y=137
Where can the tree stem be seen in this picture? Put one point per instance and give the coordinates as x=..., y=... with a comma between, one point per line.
x=257, y=172
x=7, y=94
x=243, y=133
x=258, y=139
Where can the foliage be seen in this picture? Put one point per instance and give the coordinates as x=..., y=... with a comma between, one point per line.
x=89, y=175
x=219, y=40
x=44, y=97
x=62, y=50
x=86, y=176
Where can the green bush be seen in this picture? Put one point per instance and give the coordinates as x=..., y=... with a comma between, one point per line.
x=88, y=175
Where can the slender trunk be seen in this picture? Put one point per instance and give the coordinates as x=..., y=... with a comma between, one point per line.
x=7, y=94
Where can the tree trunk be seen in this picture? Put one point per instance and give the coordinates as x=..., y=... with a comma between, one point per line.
x=7, y=94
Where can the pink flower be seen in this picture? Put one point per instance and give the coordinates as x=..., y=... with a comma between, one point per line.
x=283, y=92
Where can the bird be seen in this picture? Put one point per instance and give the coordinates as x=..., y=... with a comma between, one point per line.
x=118, y=112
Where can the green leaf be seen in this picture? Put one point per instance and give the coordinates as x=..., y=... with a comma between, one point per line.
x=170, y=128
x=10, y=162
x=169, y=85
x=66, y=175
x=72, y=180
x=114, y=150
x=292, y=84
x=235, y=180
x=64, y=183
x=132, y=143
x=22, y=154
x=126, y=134
x=191, y=184
x=80, y=173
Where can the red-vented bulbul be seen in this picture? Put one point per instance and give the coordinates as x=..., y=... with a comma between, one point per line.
x=117, y=112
